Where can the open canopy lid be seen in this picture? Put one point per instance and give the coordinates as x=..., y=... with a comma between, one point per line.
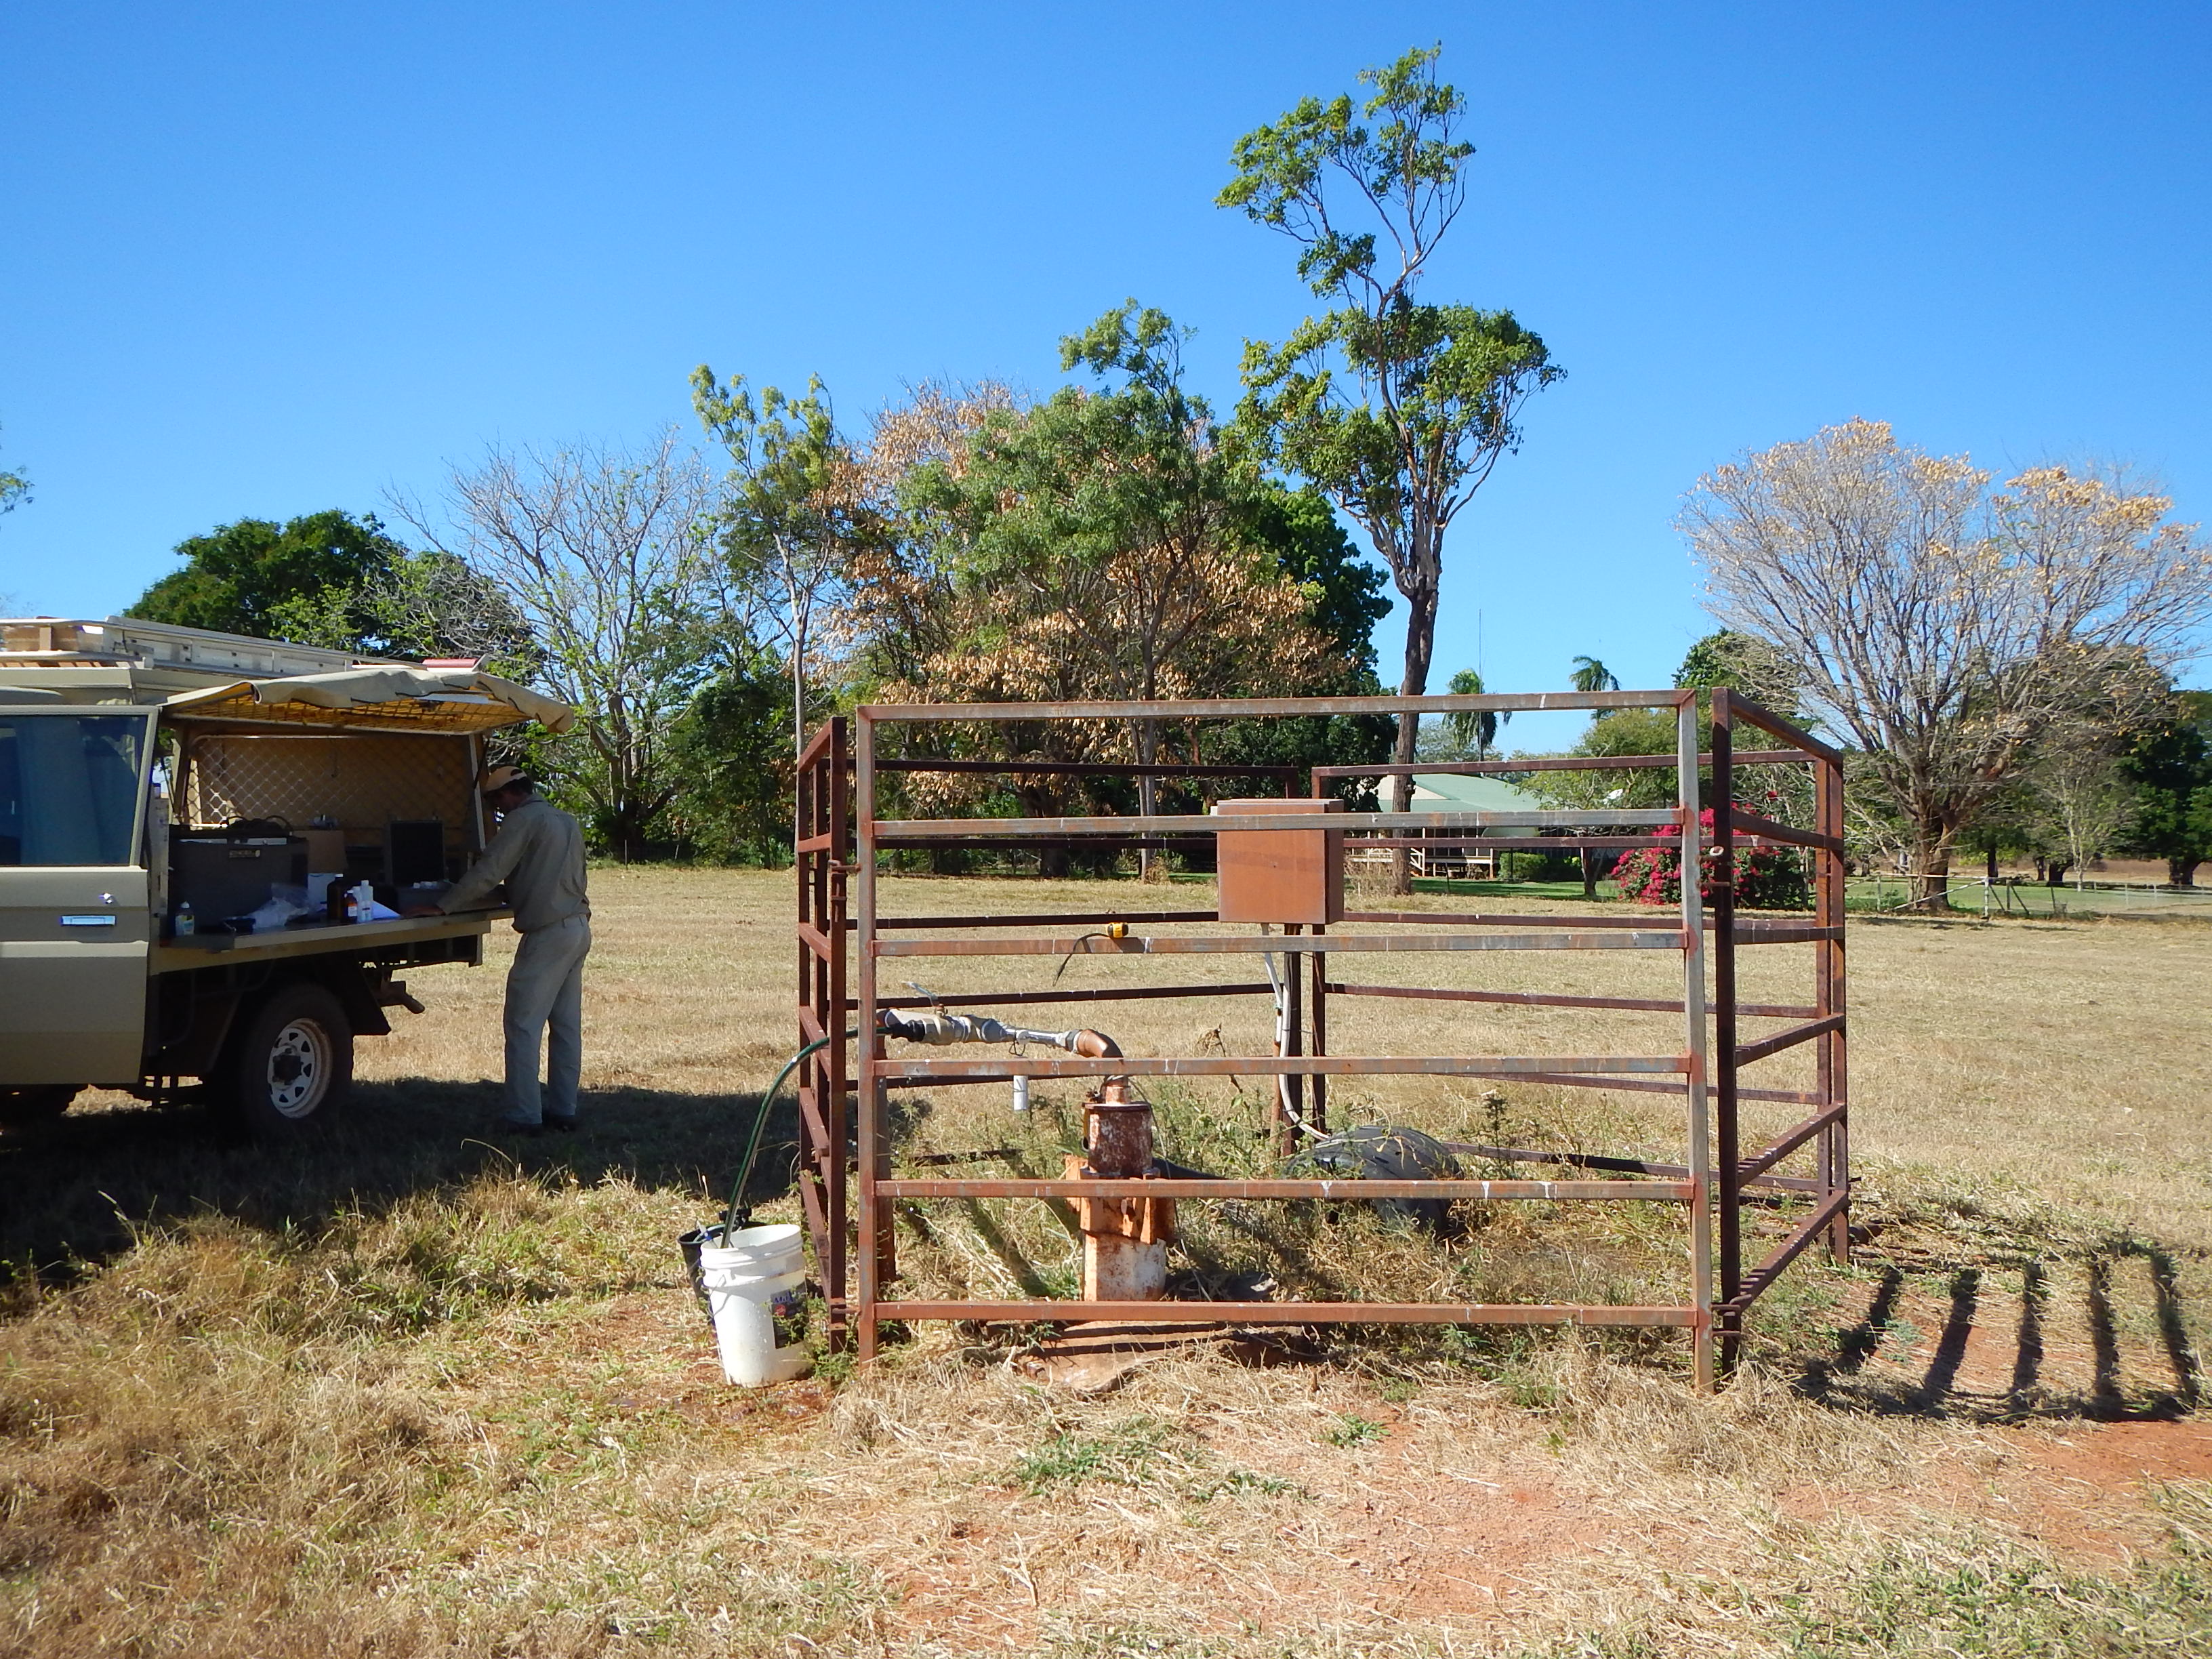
x=378, y=699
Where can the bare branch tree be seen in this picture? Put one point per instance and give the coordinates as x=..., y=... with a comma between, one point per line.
x=603, y=552
x=1944, y=627
x=2083, y=803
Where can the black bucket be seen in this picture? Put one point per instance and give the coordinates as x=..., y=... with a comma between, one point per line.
x=698, y=1239
x=1383, y=1151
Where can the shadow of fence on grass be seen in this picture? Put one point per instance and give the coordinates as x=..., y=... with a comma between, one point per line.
x=2101, y=1334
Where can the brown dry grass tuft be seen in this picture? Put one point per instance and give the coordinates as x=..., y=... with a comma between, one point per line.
x=399, y=1391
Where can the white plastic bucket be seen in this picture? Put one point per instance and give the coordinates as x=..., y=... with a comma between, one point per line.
x=756, y=1283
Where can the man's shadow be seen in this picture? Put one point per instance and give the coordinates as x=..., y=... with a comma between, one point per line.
x=79, y=1191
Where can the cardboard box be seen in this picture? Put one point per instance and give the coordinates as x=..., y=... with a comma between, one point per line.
x=327, y=848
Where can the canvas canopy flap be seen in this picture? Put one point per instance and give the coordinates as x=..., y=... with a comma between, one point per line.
x=378, y=699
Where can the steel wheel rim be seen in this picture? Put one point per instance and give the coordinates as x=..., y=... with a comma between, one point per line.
x=299, y=1068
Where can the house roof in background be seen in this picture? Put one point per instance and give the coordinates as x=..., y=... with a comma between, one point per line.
x=1479, y=795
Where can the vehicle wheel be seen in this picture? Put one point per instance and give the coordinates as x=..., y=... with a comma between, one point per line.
x=290, y=1063
x=32, y=1109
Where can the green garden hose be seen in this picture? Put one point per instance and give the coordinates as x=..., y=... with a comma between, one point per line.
x=760, y=1125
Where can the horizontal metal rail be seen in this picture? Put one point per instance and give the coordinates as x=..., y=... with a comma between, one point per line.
x=1560, y=999
x=1790, y=1039
x=1482, y=919
x=1052, y=843
x=1023, y=999
x=1770, y=932
x=1760, y=1162
x=1093, y=768
x=1775, y=726
x=1545, y=843
x=1208, y=823
x=1291, y=1313
x=1287, y=1065
x=1045, y=920
x=1643, y=1085
x=1219, y=944
x=1236, y=708
x=1349, y=1187
x=1598, y=1161
x=1550, y=764
x=1750, y=823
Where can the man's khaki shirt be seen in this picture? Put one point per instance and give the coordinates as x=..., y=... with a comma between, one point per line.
x=539, y=854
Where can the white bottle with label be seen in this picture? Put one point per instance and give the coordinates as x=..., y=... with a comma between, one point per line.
x=185, y=922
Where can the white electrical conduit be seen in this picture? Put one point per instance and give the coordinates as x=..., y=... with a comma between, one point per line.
x=1282, y=1036
x=939, y=1030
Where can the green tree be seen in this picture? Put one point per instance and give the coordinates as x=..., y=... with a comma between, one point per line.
x=2170, y=764
x=237, y=575
x=1475, y=730
x=603, y=553
x=792, y=509
x=1616, y=732
x=420, y=606
x=1396, y=408
x=1299, y=531
x=1745, y=663
x=1107, y=543
x=14, y=489
x=733, y=766
x=1591, y=675
x=1945, y=629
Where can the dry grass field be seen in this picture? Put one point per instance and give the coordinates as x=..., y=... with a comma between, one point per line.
x=397, y=1391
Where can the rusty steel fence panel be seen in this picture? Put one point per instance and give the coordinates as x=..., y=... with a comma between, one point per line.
x=822, y=856
x=846, y=1183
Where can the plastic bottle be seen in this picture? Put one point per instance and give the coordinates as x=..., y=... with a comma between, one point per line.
x=185, y=924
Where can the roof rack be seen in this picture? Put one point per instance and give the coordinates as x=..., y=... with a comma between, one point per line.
x=130, y=643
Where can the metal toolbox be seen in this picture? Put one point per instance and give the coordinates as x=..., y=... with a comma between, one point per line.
x=220, y=876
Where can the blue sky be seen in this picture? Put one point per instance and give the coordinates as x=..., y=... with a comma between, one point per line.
x=261, y=260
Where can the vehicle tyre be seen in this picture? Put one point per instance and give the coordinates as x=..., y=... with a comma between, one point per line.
x=33, y=1108
x=289, y=1063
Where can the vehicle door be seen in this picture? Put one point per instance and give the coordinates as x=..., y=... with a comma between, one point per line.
x=75, y=911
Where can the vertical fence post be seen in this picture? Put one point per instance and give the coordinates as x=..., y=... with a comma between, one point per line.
x=869, y=1045
x=1828, y=999
x=836, y=863
x=1693, y=1010
x=1728, y=1150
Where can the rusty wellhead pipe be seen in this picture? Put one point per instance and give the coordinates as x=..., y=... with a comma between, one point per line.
x=1125, y=1240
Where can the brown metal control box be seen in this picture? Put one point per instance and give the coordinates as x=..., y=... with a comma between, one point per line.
x=1280, y=875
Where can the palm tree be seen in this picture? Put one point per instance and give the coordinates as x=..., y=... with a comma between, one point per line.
x=1474, y=726
x=1591, y=675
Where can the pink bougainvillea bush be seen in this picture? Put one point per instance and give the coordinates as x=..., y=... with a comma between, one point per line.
x=1765, y=880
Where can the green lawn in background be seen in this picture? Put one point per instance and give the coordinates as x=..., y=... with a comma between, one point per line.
x=1607, y=891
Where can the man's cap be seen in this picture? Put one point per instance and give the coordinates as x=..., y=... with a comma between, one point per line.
x=499, y=777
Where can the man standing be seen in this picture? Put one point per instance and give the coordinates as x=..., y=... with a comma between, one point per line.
x=539, y=854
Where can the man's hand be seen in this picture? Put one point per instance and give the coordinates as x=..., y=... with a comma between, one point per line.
x=422, y=910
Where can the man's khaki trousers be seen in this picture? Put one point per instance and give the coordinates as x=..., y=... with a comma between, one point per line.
x=546, y=989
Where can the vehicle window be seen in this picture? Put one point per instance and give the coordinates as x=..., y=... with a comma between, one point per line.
x=68, y=788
